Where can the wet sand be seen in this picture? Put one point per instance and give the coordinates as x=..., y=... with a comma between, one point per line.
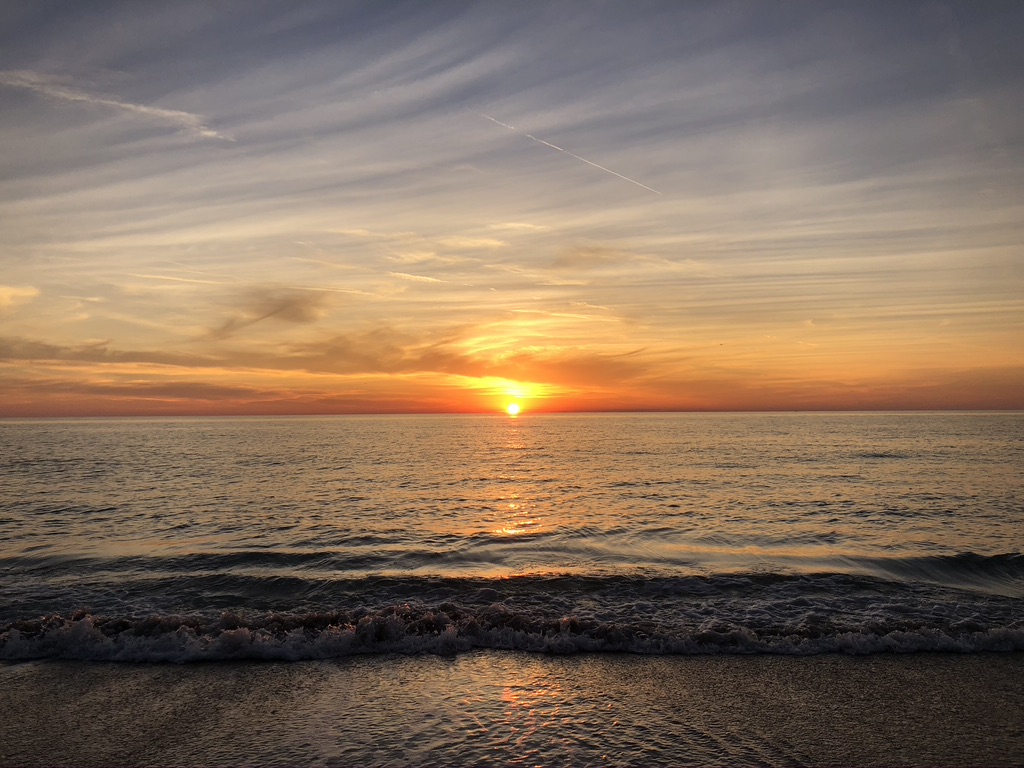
x=508, y=709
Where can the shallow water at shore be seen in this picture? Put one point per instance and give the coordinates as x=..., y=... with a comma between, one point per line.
x=490, y=707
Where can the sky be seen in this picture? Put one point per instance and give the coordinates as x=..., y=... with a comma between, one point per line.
x=376, y=207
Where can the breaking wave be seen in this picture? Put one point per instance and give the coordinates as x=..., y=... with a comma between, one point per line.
x=739, y=614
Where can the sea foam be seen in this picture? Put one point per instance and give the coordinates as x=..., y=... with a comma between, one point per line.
x=736, y=613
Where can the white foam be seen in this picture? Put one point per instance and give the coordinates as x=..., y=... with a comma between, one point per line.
x=87, y=637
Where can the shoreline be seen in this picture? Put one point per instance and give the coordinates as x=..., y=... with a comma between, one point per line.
x=510, y=708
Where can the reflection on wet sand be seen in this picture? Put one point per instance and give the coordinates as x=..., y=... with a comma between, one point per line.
x=492, y=708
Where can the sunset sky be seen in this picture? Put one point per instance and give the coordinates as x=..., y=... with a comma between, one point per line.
x=267, y=207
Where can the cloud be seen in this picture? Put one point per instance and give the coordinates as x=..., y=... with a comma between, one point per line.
x=827, y=171
x=12, y=296
x=360, y=233
x=421, y=257
x=460, y=243
x=379, y=350
x=575, y=368
x=391, y=352
x=172, y=279
x=586, y=257
x=517, y=226
x=289, y=305
x=55, y=396
x=54, y=88
x=13, y=348
x=415, y=362
x=415, y=278
x=156, y=389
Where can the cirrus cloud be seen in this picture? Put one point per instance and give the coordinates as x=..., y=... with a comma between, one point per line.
x=12, y=296
x=56, y=88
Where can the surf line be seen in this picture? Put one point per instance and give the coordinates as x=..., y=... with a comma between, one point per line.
x=566, y=151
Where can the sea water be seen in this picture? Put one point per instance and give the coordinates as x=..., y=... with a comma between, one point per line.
x=184, y=539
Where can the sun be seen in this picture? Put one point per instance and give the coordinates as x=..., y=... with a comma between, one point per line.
x=513, y=409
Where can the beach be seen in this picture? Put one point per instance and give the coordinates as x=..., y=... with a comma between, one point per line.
x=492, y=707
x=731, y=589
x=499, y=383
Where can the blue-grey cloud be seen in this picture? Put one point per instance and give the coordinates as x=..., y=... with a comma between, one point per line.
x=56, y=88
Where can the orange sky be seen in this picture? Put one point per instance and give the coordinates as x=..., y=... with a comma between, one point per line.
x=661, y=206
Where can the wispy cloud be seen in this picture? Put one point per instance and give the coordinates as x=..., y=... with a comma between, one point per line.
x=415, y=278
x=56, y=88
x=286, y=304
x=459, y=242
x=13, y=295
x=518, y=226
x=172, y=279
x=590, y=256
x=818, y=161
x=14, y=348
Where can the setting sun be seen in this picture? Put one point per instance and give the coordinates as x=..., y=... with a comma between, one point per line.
x=481, y=269
x=513, y=409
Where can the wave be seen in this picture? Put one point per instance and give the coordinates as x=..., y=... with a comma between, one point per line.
x=738, y=613
x=881, y=455
x=996, y=573
x=448, y=629
x=1007, y=564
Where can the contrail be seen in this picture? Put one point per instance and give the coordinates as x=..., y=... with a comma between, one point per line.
x=49, y=86
x=566, y=151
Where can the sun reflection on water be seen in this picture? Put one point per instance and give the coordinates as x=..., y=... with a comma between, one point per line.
x=519, y=521
x=516, y=516
x=531, y=707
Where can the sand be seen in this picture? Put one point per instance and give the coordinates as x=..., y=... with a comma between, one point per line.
x=493, y=707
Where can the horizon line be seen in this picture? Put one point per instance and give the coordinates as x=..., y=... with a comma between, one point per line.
x=503, y=414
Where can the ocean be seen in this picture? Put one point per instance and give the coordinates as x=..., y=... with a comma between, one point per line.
x=584, y=545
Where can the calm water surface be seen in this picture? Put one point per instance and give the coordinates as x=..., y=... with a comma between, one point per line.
x=658, y=533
